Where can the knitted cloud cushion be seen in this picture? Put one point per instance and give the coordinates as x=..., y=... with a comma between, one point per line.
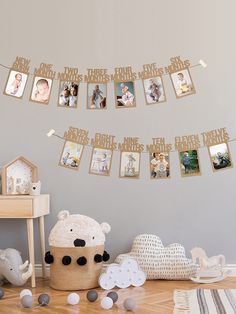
x=159, y=262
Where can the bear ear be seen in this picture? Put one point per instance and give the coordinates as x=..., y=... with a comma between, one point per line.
x=106, y=228
x=63, y=214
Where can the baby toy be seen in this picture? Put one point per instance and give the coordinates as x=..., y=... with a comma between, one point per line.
x=35, y=188
x=211, y=269
x=12, y=268
x=76, y=252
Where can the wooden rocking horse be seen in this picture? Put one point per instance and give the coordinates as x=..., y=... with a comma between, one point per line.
x=211, y=269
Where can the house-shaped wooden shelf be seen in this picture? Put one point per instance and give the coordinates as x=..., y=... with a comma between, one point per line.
x=17, y=176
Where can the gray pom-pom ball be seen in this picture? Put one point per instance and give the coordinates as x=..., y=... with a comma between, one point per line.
x=44, y=299
x=113, y=295
x=129, y=304
x=1, y=293
x=92, y=295
x=27, y=301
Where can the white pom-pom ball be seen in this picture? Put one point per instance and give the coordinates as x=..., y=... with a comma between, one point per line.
x=106, y=303
x=25, y=292
x=73, y=298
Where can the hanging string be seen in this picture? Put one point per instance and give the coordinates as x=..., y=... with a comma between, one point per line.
x=137, y=79
x=145, y=152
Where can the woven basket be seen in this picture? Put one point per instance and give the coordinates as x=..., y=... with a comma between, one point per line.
x=74, y=276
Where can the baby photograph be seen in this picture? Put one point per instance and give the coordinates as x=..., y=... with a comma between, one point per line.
x=101, y=161
x=159, y=165
x=182, y=83
x=68, y=94
x=189, y=163
x=220, y=156
x=125, y=94
x=154, y=90
x=97, y=96
x=130, y=165
x=71, y=155
x=41, y=90
x=16, y=84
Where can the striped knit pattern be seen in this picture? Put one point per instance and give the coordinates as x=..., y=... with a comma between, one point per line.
x=205, y=301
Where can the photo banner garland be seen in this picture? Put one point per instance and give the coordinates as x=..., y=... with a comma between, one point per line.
x=69, y=81
x=180, y=77
x=218, y=148
x=97, y=80
x=17, y=78
x=153, y=85
x=159, y=158
x=103, y=146
x=130, y=157
x=42, y=83
x=75, y=140
x=187, y=147
x=101, y=157
x=123, y=78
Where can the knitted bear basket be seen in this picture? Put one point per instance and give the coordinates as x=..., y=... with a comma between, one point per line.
x=76, y=252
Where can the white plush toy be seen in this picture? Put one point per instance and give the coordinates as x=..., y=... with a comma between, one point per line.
x=76, y=251
x=77, y=230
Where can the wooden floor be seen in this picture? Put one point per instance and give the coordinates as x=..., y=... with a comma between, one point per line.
x=152, y=297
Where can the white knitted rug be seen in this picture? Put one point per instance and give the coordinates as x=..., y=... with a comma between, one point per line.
x=205, y=301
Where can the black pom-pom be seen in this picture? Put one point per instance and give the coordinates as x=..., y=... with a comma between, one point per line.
x=49, y=259
x=82, y=261
x=105, y=256
x=98, y=258
x=66, y=260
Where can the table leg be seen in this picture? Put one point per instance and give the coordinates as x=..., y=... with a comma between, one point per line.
x=42, y=244
x=30, y=233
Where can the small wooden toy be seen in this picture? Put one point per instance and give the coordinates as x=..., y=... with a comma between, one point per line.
x=211, y=269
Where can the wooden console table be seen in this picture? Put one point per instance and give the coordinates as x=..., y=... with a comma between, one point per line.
x=28, y=207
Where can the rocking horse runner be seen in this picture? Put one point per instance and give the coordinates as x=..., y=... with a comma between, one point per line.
x=208, y=266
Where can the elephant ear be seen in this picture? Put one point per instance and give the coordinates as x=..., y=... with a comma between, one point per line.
x=3, y=256
x=63, y=214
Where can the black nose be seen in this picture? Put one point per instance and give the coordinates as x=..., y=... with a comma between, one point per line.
x=79, y=242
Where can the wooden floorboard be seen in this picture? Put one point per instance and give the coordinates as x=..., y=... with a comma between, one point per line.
x=154, y=297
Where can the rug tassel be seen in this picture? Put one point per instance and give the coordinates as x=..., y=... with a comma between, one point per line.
x=181, y=300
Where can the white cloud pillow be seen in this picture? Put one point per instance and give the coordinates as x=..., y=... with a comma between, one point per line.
x=159, y=262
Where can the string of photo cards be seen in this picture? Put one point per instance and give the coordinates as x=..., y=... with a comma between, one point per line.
x=187, y=147
x=97, y=79
x=130, y=157
x=75, y=140
x=103, y=146
x=101, y=158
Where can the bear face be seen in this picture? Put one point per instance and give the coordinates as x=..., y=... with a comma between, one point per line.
x=77, y=231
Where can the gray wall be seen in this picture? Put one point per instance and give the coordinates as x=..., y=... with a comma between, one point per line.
x=193, y=211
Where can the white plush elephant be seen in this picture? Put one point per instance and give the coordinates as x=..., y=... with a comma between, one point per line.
x=12, y=268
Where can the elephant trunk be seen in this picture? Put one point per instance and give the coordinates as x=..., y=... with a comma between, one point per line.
x=28, y=273
x=23, y=266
